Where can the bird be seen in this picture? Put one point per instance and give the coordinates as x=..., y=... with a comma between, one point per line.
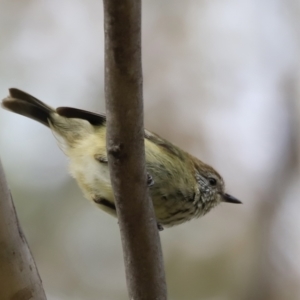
x=181, y=186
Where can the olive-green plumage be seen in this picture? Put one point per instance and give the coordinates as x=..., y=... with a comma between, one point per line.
x=181, y=186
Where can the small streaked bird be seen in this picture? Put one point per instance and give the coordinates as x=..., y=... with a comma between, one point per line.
x=181, y=186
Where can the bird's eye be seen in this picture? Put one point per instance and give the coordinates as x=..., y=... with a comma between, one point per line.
x=212, y=181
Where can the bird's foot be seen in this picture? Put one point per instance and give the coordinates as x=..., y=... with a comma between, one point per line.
x=150, y=180
x=160, y=227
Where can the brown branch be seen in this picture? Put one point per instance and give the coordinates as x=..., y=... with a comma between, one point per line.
x=125, y=145
x=19, y=277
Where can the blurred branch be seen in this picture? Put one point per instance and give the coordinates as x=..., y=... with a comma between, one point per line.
x=264, y=284
x=19, y=277
x=126, y=153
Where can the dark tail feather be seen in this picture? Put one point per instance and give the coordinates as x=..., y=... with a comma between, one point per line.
x=24, y=104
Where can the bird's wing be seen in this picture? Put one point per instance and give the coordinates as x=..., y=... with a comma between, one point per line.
x=93, y=118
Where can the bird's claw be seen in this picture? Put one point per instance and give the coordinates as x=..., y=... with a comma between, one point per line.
x=150, y=180
x=160, y=227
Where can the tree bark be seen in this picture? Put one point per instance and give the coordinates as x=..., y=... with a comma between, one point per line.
x=19, y=277
x=126, y=155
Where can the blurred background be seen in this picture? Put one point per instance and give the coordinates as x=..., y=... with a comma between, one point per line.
x=220, y=81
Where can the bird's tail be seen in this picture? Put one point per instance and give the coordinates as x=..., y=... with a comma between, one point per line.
x=69, y=125
x=24, y=104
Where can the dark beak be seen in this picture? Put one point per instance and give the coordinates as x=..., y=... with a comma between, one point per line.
x=230, y=199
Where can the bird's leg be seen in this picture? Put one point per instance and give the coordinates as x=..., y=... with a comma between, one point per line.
x=150, y=180
x=150, y=183
x=160, y=227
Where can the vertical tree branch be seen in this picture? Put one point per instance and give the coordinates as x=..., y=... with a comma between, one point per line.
x=126, y=155
x=19, y=277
